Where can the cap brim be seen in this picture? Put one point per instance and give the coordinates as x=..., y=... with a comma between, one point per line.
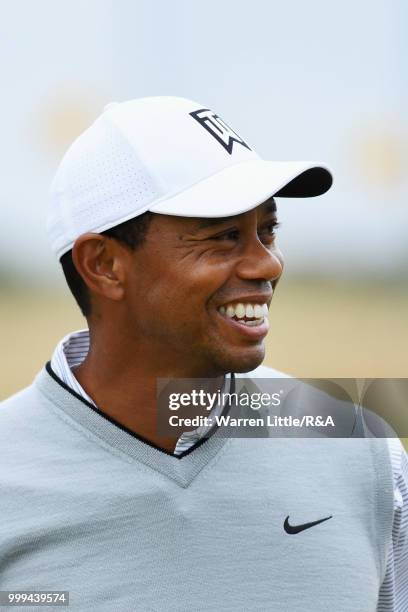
x=243, y=186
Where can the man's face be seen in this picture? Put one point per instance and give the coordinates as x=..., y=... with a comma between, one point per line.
x=196, y=291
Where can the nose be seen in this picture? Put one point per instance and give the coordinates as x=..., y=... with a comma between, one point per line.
x=260, y=263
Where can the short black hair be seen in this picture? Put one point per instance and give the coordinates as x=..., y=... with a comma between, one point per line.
x=132, y=233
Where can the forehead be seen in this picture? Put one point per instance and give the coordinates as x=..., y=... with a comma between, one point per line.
x=266, y=207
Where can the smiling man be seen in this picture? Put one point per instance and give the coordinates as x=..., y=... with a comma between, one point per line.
x=189, y=300
x=163, y=219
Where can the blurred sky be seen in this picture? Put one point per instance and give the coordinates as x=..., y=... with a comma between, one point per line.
x=297, y=80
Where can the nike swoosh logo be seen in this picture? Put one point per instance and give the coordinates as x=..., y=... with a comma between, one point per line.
x=297, y=528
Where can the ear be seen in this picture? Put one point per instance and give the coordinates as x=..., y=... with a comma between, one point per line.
x=101, y=263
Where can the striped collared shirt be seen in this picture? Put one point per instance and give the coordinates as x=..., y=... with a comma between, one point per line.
x=393, y=596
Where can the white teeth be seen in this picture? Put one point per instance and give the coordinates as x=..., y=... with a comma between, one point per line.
x=249, y=311
x=240, y=311
x=230, y=311
x=258, y=311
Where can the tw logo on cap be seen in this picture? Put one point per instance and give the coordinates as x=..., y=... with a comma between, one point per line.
x=218, y=128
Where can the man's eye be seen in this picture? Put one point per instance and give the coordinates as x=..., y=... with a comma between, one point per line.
x=270, y=229
x=230, y=235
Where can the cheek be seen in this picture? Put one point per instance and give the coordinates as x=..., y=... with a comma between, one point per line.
x=204, y=284
x=173, y=289
x=162, y=296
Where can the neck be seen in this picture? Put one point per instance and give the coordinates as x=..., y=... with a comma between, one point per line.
x=122, y=381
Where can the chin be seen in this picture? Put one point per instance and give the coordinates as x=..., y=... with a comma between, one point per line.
x=243, y=361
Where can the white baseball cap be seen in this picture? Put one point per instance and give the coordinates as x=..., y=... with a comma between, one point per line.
x=167, y=155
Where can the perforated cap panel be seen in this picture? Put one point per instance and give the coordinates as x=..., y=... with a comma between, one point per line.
x=100, y=183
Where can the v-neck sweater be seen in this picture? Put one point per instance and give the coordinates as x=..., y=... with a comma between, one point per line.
x=122, y=525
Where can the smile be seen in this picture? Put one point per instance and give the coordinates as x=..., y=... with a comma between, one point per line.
x=246, y=314
x=250, y=318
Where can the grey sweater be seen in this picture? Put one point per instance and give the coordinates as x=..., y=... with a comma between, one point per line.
x=89, y=508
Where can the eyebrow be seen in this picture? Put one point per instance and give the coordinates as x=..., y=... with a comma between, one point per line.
x=204, y=222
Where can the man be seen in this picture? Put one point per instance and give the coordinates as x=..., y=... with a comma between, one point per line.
x=164, y=221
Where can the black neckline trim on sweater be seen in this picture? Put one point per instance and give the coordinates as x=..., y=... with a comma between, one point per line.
x=129, y=431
